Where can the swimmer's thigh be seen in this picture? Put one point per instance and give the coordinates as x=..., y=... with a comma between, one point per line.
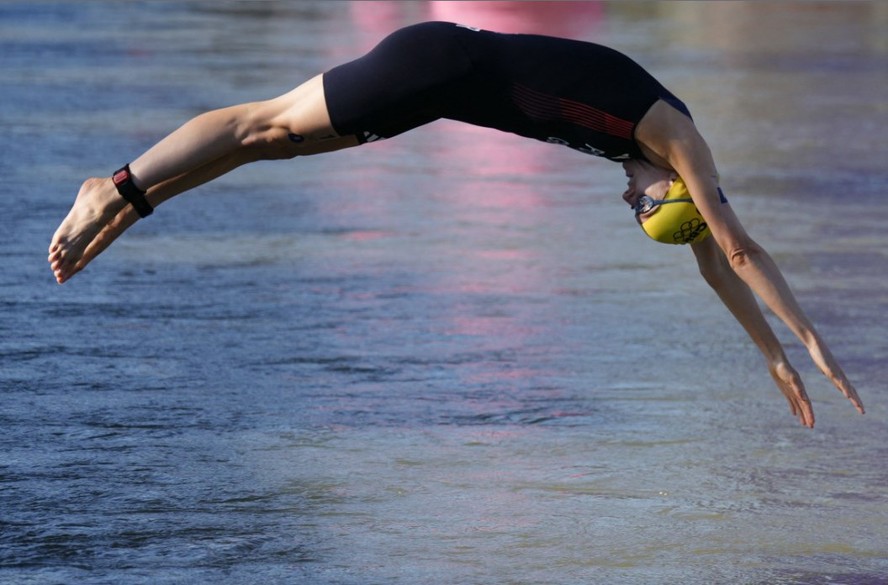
x=402, y=83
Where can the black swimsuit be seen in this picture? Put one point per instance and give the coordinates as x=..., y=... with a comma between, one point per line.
x=578, y=94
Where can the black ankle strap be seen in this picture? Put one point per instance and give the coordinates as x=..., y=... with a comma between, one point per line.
x=123, y=180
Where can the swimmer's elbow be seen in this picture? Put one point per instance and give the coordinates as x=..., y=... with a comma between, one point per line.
x=721, y=264
x=742, y=255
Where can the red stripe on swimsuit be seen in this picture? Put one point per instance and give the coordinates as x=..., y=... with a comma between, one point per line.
x=541, y=106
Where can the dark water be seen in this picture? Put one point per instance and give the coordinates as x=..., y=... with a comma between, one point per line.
x=447, y=358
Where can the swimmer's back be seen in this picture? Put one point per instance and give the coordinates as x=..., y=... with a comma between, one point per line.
x=580, y=94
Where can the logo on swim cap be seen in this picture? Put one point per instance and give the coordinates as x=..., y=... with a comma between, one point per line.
x=689, y=231
x=676, y=219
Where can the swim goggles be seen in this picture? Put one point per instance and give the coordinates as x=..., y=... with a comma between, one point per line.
x=675, y=224
x=646, y=203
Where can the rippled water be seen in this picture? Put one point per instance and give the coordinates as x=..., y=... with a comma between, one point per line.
x=447, y=358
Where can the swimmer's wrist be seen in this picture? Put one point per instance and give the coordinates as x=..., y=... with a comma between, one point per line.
x=777, y=361
x=773, y=353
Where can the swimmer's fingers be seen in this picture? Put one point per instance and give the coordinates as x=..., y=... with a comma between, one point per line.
x=851, y=394
x=845, y=387
x=790, y=384
x=831, y=369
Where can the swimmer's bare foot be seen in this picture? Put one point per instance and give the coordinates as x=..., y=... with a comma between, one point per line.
x=97, y=204
x=119, y=224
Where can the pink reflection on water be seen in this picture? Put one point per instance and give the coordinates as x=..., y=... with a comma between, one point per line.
x=491, y=186
x=372, y=21
x=566, y=19
x=367, y=235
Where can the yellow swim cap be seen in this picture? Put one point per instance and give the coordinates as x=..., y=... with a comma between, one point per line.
x=679, y=222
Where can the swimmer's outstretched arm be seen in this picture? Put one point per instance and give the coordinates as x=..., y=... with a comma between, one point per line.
x=674, y=138
x=734, y=285
x=296, y=123
x=739, y=300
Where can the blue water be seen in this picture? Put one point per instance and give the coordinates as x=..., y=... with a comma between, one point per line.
x=446, y=358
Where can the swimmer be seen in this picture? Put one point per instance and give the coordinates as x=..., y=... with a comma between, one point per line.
x=581, y=95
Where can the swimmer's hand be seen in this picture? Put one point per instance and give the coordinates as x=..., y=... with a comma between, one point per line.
x=790, y=384
x=824, y=360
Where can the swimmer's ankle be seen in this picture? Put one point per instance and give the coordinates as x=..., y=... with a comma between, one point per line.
x=127, y=188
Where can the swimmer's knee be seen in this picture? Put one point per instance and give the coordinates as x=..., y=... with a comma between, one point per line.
x=273, y=144
x=279, y=129
x=262, y=137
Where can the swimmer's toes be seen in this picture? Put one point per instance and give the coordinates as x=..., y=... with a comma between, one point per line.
x=58, y=256
x=62, y=273
x=59, y=248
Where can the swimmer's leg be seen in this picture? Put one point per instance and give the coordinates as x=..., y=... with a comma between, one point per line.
x=210, y=145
